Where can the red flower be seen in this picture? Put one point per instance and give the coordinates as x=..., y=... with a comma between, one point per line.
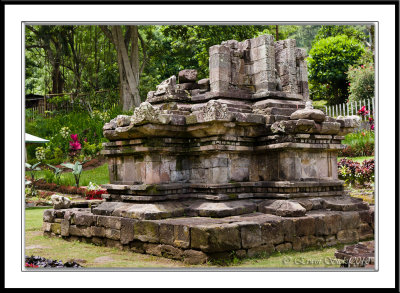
x=363, y=111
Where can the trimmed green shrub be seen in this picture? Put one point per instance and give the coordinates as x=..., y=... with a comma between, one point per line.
x=329, y=60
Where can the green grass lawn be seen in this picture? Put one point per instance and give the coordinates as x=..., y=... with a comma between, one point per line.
x=93, y=256
x=97, y=175
x=356, y=159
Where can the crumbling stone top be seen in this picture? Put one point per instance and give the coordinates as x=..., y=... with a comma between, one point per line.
x=253, y=82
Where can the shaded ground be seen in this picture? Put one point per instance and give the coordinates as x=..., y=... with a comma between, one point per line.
x=91, y=256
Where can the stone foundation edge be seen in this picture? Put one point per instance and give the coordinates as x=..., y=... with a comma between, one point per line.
x=197, y=240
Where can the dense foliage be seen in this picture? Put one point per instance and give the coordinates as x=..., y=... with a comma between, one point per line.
x=330, y=59
x=359, y=144
x=361, y=78
x=355, y=173
x=58, y=130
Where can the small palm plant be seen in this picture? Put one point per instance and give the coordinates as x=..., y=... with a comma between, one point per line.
x=77, y=169
x=32, y=169
x=57, y=173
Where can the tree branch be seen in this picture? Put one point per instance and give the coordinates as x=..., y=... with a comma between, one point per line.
x=107, y=32
x=144, y=50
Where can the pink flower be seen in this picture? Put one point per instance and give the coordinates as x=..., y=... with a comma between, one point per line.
x=74, y=137
x=363, y=111
x=372, y=127
x=85, y=140
x=75, y=145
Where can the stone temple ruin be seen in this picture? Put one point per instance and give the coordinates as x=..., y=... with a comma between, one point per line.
x=237, y=164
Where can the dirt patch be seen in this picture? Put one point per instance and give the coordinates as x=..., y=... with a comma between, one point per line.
x=103, y=259
x=37, y=247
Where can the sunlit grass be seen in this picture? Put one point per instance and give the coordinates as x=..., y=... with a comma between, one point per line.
x=97, y=175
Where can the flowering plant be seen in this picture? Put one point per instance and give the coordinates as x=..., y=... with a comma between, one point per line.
x=363, y=111
x=354, y=172
x=94, y=191
x=65, y=132
x=74, y=145
x=40, y=153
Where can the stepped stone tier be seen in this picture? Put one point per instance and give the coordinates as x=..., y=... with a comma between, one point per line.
x=236, y=162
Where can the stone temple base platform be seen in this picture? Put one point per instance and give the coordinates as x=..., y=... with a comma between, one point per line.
x=241, y=228
x=236, y=164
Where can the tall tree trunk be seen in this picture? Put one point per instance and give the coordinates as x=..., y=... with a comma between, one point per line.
x=277, y=32
x=129, y=68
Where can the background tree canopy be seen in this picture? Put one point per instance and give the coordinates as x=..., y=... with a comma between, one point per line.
x=87, y=61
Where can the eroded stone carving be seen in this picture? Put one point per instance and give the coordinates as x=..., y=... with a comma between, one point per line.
x=167, y=87
x=145, y=113
x=215, y=110
x=60, y=202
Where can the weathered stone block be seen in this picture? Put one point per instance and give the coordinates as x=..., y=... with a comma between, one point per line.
x=98, y=231
x=365, y=232
x=330, y=240
x=271, y=232
x=146, y=231
x=348, y=236
x=80, y=231
x=326, y=223
x=55, y=228
x=48, y=216
x=46, y=227
x=154, y=249
x=187, y=75
x=64, y=228
x=166, y=233
x=98, y=241
x=82, y=219
x=251, y=235
x=304, y=226
x=114, y=244
x=263, y=250
x=109, y=222
x=311, y=241
x=309, y=114
x=169, y=251
x=113, y=233
x=194, y=257
x=181, y=236
x=127, y=230
x=349, y=220
x=215, y=238
x=283, y=247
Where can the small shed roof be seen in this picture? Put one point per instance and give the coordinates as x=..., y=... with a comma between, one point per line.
x=29, y=138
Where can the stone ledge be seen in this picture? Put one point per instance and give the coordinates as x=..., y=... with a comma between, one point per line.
x=196, y=239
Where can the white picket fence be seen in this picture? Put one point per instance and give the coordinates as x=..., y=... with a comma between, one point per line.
x=351, y=108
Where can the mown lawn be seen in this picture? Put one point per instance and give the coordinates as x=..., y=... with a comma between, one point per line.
x=92, y=256
x=97, y=175
x=356, y=159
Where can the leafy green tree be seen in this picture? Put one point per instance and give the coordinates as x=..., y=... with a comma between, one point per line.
x=329, y=60
x=352, y=31
x=304, y=35
x=190, y=43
